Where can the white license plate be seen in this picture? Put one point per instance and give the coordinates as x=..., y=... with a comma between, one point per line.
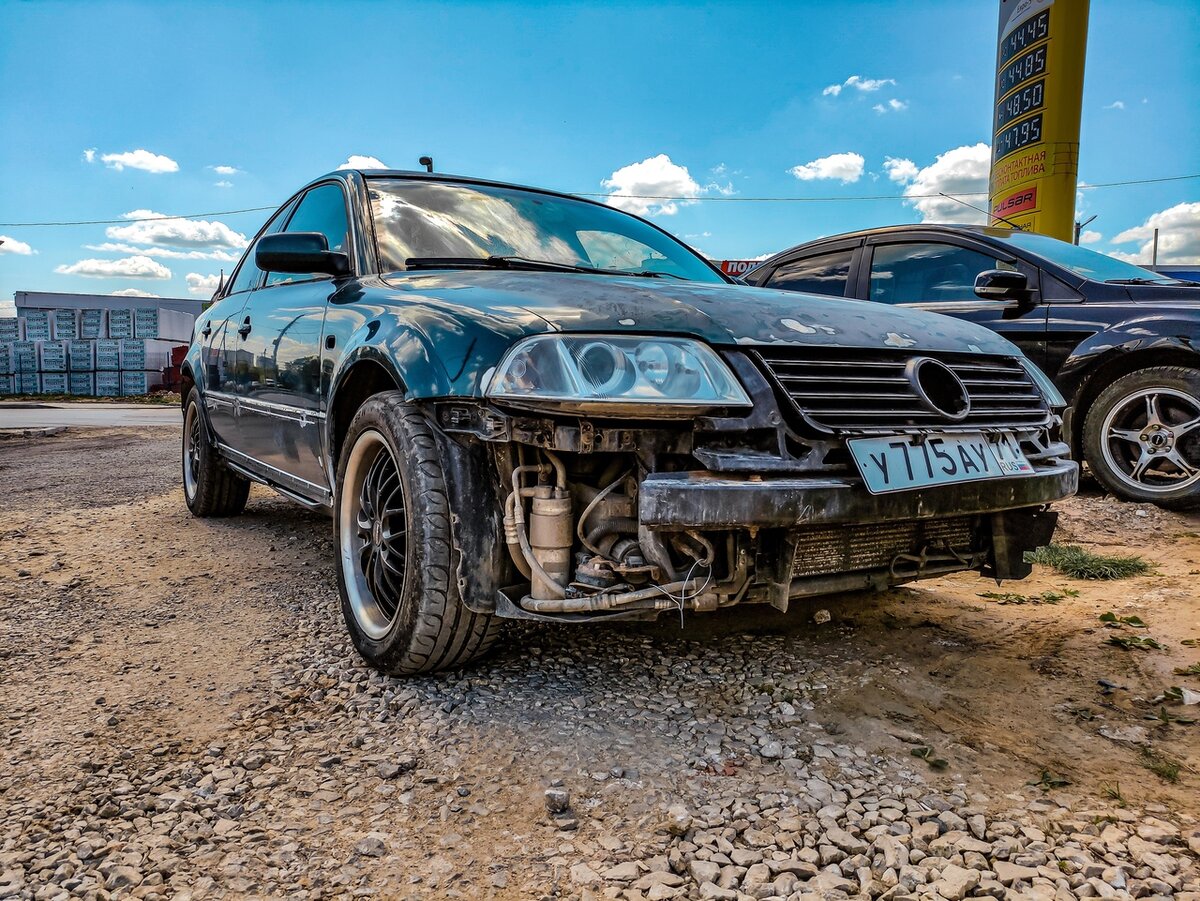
x=900, y=462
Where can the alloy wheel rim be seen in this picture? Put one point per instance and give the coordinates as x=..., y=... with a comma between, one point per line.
x=191, y=450
x=1151, y=439
x=373, y=523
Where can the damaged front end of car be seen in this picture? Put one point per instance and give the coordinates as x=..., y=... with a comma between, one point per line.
x=630, y=476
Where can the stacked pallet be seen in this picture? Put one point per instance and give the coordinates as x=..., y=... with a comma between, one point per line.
x=117, y=352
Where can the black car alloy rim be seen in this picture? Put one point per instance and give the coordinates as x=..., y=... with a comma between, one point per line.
x=374, y=538
x=1151, y=439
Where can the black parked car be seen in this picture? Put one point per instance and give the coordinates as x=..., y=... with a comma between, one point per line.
x=1122, y=343
x=522, y=404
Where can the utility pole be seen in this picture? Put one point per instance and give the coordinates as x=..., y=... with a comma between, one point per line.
x=1079, y=226
x=1154, y=252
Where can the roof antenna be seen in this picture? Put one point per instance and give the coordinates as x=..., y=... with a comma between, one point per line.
x=427, y=162
x=1019, y=228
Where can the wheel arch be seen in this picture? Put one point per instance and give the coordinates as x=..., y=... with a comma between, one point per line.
x=1120, y=361
x=366, y=375
x=187, y=381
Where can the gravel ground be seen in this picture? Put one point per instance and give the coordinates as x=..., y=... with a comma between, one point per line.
x=185, y=718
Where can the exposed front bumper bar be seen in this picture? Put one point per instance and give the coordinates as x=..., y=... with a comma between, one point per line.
x=689, y=500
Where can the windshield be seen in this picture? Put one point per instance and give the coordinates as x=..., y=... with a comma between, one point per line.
x=1083, y=262
x=416, y=219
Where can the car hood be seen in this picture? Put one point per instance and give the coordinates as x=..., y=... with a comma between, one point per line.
x=721, y=314
x=1187, y=296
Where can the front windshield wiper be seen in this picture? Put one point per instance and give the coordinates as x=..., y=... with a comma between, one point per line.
x=1139, y=281
x=525, y=263
x=654, y=273
x=494, y=262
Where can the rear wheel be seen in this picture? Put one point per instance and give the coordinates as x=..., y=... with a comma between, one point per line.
x=209, y=486
x=1141, y=436
x=396, y=554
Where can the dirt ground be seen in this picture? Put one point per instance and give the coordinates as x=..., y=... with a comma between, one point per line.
x=132, y=632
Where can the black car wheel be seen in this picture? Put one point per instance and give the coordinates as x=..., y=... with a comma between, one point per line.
x=396, y=554
x=1141, y=436
x=209, y=486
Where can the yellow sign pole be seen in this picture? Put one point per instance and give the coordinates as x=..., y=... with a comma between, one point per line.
x=1035, y=121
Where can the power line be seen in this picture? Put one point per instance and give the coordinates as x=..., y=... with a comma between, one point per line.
x=124, y=221
x=680, y=197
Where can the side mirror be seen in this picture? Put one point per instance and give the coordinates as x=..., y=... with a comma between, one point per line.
x=299, y=252
x=1001, y=284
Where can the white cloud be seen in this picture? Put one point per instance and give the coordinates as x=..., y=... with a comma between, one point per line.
x=203, y=285
x=126, y=267
x=89, y=155
x=657, y=177
x=224, y=256
x=226, y=170
x=866, y=85
x=138, y=159
x=847, y=167
x=355, y=161
x=222, y=184
x=1116, y=104
x=963, y=170
x=1091, y=237
x=175, y=232
x=892, y=106
x=1178, y=236
x=132, y=292
x=12, y=245
x=899, y=170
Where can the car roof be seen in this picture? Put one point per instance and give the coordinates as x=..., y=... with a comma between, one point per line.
x=948, y=228
x=421, y=175
x=979, y=231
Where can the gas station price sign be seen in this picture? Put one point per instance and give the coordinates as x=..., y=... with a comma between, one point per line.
x=1035, y=118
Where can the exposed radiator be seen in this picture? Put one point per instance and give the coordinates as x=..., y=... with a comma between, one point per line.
x=849, y=548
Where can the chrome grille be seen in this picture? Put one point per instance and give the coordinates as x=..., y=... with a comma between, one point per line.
x=851, y=548
x=868, y=390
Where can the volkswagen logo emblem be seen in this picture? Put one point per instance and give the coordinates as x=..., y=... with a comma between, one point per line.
x=938, y=388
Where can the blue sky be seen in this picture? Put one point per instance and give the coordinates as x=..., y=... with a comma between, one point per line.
x=581, y=97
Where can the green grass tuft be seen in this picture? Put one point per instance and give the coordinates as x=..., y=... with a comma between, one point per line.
x=1160, y=765
x=1077, y=563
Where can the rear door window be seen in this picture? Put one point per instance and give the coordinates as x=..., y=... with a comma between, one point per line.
x=824, y=274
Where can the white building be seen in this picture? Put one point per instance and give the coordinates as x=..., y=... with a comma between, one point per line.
x=50, y=300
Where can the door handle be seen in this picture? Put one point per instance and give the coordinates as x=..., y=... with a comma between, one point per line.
x=244, y=328
x=207, y=330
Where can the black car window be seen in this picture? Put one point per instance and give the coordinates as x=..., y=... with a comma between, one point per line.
x=927, y=272
x=248, y=274
x=824, y=274
x=322, y=209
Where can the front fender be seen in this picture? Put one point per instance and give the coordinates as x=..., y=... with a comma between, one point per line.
x=1152, y=332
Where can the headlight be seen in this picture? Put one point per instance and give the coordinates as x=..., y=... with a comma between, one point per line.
x=616, y=374
x=1053, y=396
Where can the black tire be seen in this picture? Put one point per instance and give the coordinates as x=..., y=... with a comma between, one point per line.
x=411, y=622
x=210, y=488
x=1141, y=421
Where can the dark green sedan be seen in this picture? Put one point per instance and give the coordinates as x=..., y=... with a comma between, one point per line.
x=522, y=404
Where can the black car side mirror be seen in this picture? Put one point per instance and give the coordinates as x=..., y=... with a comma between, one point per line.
x=1002, y=284
x=299, y=252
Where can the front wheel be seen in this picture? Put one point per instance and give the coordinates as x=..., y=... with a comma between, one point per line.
x=396, y=554
x=1141, y=436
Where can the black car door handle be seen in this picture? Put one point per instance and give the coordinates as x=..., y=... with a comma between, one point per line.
x=244, y=328
x=207, y=330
